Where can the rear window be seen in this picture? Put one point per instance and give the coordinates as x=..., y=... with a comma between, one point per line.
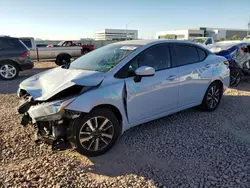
x=27, y=42
x=11, y=44
x=186, y=54
x=202, y=54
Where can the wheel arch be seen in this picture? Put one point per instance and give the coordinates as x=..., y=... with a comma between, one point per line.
x=219, y=82
x=113, y=108
x=11, y=61
x=216, y=81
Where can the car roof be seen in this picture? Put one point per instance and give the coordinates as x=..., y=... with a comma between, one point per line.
x=230, y=42
x=4, y=36
x=201, y=37
x=8, y=37
x=153, y=41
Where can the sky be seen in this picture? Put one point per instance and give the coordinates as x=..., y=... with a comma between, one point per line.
x=75, y=19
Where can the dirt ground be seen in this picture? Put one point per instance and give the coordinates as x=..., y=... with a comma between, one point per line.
x=187, y=149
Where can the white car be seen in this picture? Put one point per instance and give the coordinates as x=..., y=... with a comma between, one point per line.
x=109, y=90
x=247, y=38
x=205, y=41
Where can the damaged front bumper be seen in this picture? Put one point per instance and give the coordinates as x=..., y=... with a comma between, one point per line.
x=49, y=111
x=46, y=111
x=50, y=120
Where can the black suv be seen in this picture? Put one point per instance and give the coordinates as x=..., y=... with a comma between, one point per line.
x=14, y=57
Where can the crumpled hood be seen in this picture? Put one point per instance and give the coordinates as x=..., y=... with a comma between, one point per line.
x=48, y=83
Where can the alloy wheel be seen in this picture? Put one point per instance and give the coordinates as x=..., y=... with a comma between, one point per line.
x=96, y=133
x=8, y=71
x=213, y=96
x=235, y=78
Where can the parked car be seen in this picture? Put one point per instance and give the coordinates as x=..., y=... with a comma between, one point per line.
x=14, y=57
x=206, y=41
x=121, y=85
x=237, y=53
x=247, y=38
x=85, y=48
x=61, y=54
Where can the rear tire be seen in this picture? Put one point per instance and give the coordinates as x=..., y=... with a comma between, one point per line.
x=8, y=70
x=97, y=132
x=85, y=52
x=62, y=60
x=212, y=97
x=235, y=77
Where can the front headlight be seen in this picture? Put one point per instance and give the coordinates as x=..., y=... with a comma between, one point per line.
x=57, y=106
x=51, y=110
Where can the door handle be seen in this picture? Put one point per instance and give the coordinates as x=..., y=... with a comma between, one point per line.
x=172, y=77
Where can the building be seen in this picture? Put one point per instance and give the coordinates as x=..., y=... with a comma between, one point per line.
x=216, y=33
x=116, y=34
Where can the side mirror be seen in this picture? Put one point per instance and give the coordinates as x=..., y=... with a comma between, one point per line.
x=145, y=71
x=142, y=72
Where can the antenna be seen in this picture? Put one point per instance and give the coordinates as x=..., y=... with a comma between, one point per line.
x=248, y=28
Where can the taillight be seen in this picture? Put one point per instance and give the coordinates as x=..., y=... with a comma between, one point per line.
x=25, y=54
x=226, y=63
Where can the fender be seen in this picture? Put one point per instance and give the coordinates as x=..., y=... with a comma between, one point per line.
x=112, y=94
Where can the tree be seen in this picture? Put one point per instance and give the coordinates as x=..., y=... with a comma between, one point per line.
x=169, y=37
x=236, y=37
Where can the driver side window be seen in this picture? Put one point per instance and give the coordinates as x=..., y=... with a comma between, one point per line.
x=157, y=57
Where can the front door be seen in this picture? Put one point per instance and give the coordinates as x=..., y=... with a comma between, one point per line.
x=155, y=94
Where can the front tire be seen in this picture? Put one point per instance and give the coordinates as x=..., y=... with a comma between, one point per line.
x=8, y=70
x=212, y=97
x=97, y=132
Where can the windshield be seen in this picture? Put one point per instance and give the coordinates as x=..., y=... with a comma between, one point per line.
x=201, y=41
x=103, y=59
x=60, y=43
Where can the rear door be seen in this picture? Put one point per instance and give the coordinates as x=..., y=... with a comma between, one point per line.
x=195, y=73
x=1, y=47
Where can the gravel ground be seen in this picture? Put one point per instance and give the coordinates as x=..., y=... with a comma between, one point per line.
x=187, y=149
